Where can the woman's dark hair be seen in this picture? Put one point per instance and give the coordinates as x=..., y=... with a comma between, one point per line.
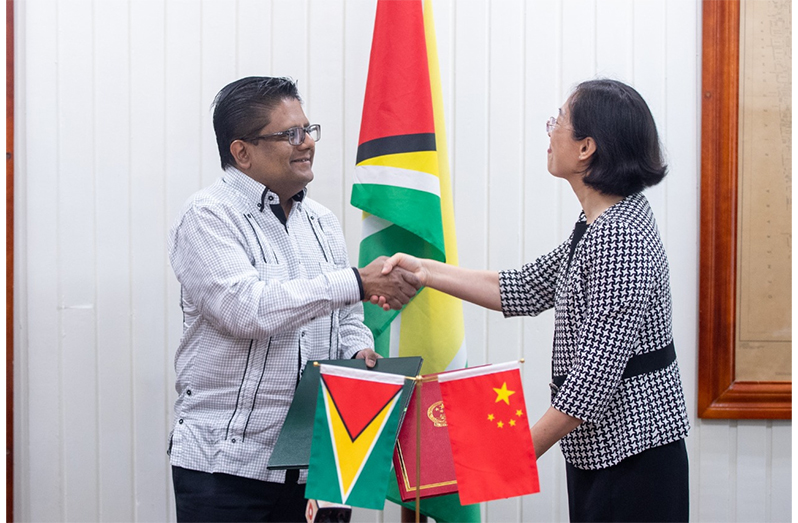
x=628, y=157
x=242, y=109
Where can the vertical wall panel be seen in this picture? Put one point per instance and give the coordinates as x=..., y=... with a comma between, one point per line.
x=76, y=260
x=112, y=222
x=505, y=164
x=649, y=73
x=323, y=92
x=614, y=46
x=42, y=453
x=117, y=121
x=779, y=484
x=715, y=475
x=468, y=155
x=289, y=41
x=148, y=258
x=218, y=68
x=253, y=30
x=752, y=450
x=186, y=119
x=358, y=28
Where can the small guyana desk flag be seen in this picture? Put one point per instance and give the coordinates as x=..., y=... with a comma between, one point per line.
x=357, y=413
x=489, y=431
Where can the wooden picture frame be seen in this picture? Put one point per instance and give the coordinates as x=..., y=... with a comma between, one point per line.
x=719, y=394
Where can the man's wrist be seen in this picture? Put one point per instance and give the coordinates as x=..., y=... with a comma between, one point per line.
x=360, y=284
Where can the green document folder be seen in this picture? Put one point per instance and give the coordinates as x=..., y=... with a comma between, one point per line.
x=292, y=450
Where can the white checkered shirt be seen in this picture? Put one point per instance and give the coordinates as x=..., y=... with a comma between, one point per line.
x=260, y=299
x=611, y=303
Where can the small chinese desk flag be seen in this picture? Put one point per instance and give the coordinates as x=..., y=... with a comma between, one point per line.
x=357, y=413
x=489, y=431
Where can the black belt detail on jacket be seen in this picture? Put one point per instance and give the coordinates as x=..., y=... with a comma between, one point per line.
x=637, y=364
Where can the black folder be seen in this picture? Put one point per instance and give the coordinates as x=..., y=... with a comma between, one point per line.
x=292, y=450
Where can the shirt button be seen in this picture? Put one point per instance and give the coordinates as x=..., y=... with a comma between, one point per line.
x=271, y=198
x=188, y=392
x=180, y=421
x=303, y=333
x=233, y=440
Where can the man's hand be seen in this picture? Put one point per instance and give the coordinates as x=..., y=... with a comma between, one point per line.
x=396, y=287
x=399, y=261
x=369, y=355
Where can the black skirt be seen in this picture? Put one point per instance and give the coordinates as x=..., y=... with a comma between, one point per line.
x=650, y=486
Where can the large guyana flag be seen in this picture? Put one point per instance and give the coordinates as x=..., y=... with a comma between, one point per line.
x=402, y=184
x=354, y=431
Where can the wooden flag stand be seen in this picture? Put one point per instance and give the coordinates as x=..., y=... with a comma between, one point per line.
x=419, y=383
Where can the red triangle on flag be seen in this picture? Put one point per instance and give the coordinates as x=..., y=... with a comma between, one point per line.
x=359, y=401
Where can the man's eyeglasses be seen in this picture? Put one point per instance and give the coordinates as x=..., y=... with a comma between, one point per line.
x=295, y=135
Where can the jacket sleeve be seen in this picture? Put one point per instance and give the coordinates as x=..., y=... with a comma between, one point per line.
x=530, y=290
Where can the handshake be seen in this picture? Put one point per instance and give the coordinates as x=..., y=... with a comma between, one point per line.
x=392, y=282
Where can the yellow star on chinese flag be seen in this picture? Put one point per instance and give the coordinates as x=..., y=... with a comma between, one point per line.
x=490, y=417
x=503, y=393
x=512, y=423
x=501, y=424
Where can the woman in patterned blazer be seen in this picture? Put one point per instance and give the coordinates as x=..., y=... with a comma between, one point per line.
x=617, y=404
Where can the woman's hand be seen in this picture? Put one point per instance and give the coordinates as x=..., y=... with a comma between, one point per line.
x=479, y=287
x=406, y=262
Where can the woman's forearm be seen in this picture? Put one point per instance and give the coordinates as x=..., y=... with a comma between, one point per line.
x=550, y=428
x=479, y=287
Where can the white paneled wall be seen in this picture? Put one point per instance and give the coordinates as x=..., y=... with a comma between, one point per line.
x=113, y=133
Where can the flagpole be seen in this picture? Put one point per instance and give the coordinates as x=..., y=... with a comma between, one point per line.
x=419, y=383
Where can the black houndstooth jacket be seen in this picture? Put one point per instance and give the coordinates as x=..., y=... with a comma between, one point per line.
x=612, y=301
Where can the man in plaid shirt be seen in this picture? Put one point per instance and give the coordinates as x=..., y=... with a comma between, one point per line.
x=266, y=287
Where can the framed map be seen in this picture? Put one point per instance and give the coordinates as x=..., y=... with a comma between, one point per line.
x=745, y=303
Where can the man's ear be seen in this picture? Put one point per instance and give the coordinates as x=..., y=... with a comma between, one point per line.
x=586, y=148
x=240, y=153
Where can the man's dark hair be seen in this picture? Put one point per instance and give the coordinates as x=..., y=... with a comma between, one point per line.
x=628, y=157
x=242, y=109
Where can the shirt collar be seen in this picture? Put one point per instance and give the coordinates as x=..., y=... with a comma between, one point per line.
x=257, y=193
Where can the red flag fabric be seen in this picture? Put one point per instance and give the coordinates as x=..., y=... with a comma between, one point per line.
x=398, y=99
x=489, y=431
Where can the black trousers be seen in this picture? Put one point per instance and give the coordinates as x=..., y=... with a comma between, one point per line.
x=201, y=496
x=650, y=486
